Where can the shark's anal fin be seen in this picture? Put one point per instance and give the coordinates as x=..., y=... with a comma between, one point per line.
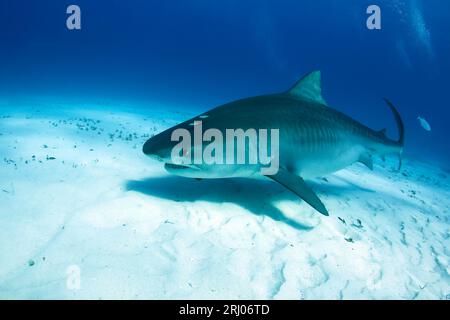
x=367, y=160
x=297, y=185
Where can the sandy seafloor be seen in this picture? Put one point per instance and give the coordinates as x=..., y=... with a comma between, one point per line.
x=76, y=190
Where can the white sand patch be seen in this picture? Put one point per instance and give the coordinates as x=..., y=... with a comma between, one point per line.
x=75, y=189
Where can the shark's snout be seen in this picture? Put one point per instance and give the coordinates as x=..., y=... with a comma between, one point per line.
x=157, y=148
x=149, y=147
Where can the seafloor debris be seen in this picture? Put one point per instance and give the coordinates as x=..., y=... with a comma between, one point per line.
x=357, y=224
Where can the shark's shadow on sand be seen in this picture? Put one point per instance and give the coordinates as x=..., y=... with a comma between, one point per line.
x=255, y=195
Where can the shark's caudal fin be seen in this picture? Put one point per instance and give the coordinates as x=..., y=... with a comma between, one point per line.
x=309, y=87
x=298, y=186
x=401, y=130
x=398, y=120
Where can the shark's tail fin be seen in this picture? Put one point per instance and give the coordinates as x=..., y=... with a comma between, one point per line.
x=401, y=130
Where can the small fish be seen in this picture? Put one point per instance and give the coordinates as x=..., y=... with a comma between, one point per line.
x=424, y=123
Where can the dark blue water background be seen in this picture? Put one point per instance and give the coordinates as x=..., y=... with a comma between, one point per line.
x=198, y=54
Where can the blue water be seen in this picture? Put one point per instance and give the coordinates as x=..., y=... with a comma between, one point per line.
x=198, y=54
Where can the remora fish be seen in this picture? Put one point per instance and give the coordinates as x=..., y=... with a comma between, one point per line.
x=424, y=123
x=314, y=139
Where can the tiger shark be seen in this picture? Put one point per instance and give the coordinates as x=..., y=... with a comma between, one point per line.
x=314, y=139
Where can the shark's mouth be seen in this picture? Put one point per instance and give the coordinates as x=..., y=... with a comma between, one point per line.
x=172, y=166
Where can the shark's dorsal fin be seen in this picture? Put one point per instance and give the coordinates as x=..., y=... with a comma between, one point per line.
x=309, y=87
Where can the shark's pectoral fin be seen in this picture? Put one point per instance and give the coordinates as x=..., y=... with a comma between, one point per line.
x=366, y=159
x=297, y=185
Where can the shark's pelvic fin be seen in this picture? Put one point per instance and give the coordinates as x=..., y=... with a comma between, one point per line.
x=309, y=87
x=399, y=161
x=297, y=185
x=367, y=160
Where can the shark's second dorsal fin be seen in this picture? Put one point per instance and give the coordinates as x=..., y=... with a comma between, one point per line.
x=382, y=132
x=309, y=87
